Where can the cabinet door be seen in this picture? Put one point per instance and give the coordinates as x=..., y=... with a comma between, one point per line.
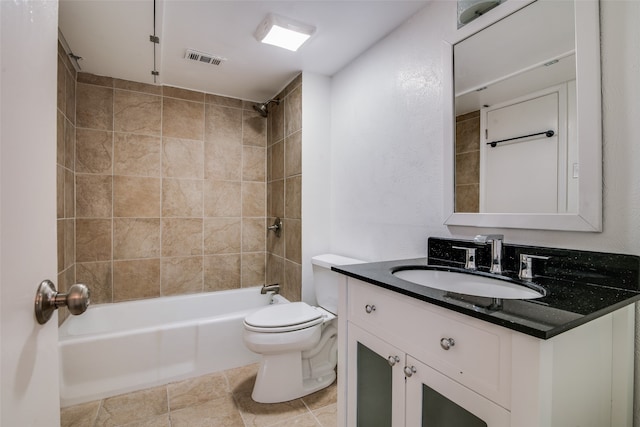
x=434, y=400
x=375, y=381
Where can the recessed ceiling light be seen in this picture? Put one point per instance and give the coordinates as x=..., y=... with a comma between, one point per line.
x=283, y=32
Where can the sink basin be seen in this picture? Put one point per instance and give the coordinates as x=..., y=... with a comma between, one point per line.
x=468, y=284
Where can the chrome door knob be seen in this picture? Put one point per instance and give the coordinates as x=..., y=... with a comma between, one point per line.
x=369, y=308
x=409, y=370
x=447, y=343
x=393, y=360
x=48, y=300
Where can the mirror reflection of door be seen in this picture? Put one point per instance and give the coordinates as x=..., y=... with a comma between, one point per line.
x=521, y=174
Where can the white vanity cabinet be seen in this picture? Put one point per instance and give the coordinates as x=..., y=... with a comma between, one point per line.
x=405, y=362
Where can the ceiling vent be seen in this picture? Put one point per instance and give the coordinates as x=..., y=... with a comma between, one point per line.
x=206, y=58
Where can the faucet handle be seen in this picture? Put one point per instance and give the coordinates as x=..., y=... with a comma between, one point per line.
x=470, y=257
x=526, y=265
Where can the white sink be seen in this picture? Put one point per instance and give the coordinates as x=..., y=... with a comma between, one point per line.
x=468, y=284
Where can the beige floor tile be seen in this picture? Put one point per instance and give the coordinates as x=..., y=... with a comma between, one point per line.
x=216, y=413
x=328, y=415
x=132, y=407
x=79, y=415
x=197, y=390
x=260, y=415
x=161, y=421
x=323, y=397
x=242, y=379
x=306, y=420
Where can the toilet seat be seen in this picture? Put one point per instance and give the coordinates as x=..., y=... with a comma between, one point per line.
x=283, y=318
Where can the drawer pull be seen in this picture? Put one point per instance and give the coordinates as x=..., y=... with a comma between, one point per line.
x=447, y=343
x=369, y=308
x=393, y=360
x=409, y=370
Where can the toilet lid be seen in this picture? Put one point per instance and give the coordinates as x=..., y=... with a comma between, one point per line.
x=284, y=315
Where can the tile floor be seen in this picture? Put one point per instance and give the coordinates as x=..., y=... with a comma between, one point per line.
x=221, y=399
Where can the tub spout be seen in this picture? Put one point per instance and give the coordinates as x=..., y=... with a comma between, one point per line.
x=275, y=288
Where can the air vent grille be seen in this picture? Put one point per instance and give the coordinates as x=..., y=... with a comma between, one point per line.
x=207, y=58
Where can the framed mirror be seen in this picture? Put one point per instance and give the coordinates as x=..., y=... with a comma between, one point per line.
x=523, y=139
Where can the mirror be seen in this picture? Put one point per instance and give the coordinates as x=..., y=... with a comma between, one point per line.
x=526, y=123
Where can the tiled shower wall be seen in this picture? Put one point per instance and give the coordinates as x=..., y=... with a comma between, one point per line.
x=284, y=177
x=467, y=188
x=170, y=191
x=65, y=162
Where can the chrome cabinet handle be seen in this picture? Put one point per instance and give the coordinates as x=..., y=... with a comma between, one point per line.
x=447, y=343
x=393, y=360
x=48, y=300
x=369, y=308
x=409, y=370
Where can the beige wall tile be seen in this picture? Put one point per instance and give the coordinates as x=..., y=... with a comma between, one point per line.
x=182, y=119
x=292, y=281
x=136, y=197
x=293, y=240
x=70, y=103
x=254, y=195
x=60, y=138
x=93, y=196
x=293, y=111
x=253, y=269
x=293, y=197
x=69, y=242
x=93, y=240
x=137, y=155
x=223, y=125
x=185, y=94
x=94, y=151
x=61, y=95
x=181, y=236
x=181, y=198
x=468, y=198
x=182, y=158
x=69, y=194
x=276, y=123
x=222, y=198
x=97, y=276
x=223, y=101
x=94, y=79
x=59, y=192
x=468, y=133
x=94, y=107
x=253, y=164
x=293, y=154
x=223, y=161
x=276, y=201
x=275, y=269
x=468, y=168
x=137, y=87
x=137, y=112
x=277, y=161
x=222, y=235
x=181, y=275
x=136, y=279
x=275, y=244
x=136, y=238
x=254, y=129
x=221, y=272
x=254, y=234
x=69, y=144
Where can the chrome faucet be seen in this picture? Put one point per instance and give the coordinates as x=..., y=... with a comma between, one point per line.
x=496, y=249
x=275, y=288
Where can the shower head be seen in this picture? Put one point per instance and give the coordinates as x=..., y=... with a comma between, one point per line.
x=262, y=108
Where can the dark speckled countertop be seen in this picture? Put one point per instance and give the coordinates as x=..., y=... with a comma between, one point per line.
x=579, y=286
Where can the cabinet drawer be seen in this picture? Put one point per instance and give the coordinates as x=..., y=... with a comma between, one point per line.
x=478, y=354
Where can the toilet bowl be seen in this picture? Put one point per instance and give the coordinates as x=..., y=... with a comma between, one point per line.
x=297, y=341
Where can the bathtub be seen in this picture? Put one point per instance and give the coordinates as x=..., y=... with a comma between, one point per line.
x=122, y=347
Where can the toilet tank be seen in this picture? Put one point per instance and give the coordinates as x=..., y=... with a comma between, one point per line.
x=326, y=281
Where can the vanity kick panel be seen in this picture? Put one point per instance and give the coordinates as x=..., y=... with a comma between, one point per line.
x=480, y=357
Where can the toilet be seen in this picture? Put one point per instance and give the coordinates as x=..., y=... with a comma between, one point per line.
x=298, y=342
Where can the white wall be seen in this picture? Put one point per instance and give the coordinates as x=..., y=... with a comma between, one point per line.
x=387, y=136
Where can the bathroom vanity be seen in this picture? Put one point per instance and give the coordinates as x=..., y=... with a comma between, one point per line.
x=413, y=355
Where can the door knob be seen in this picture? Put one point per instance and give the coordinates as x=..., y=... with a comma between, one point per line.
x=48, y=300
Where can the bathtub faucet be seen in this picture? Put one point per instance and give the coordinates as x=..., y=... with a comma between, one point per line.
x=275, y=288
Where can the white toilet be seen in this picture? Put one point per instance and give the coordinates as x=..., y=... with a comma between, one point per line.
x=298, y=342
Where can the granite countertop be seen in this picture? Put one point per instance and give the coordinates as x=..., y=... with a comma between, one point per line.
x=566, y=305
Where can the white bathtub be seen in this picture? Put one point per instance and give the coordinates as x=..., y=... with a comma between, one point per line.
x=117, y=348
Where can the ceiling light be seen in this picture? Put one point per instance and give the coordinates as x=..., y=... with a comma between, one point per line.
x=283, y=32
